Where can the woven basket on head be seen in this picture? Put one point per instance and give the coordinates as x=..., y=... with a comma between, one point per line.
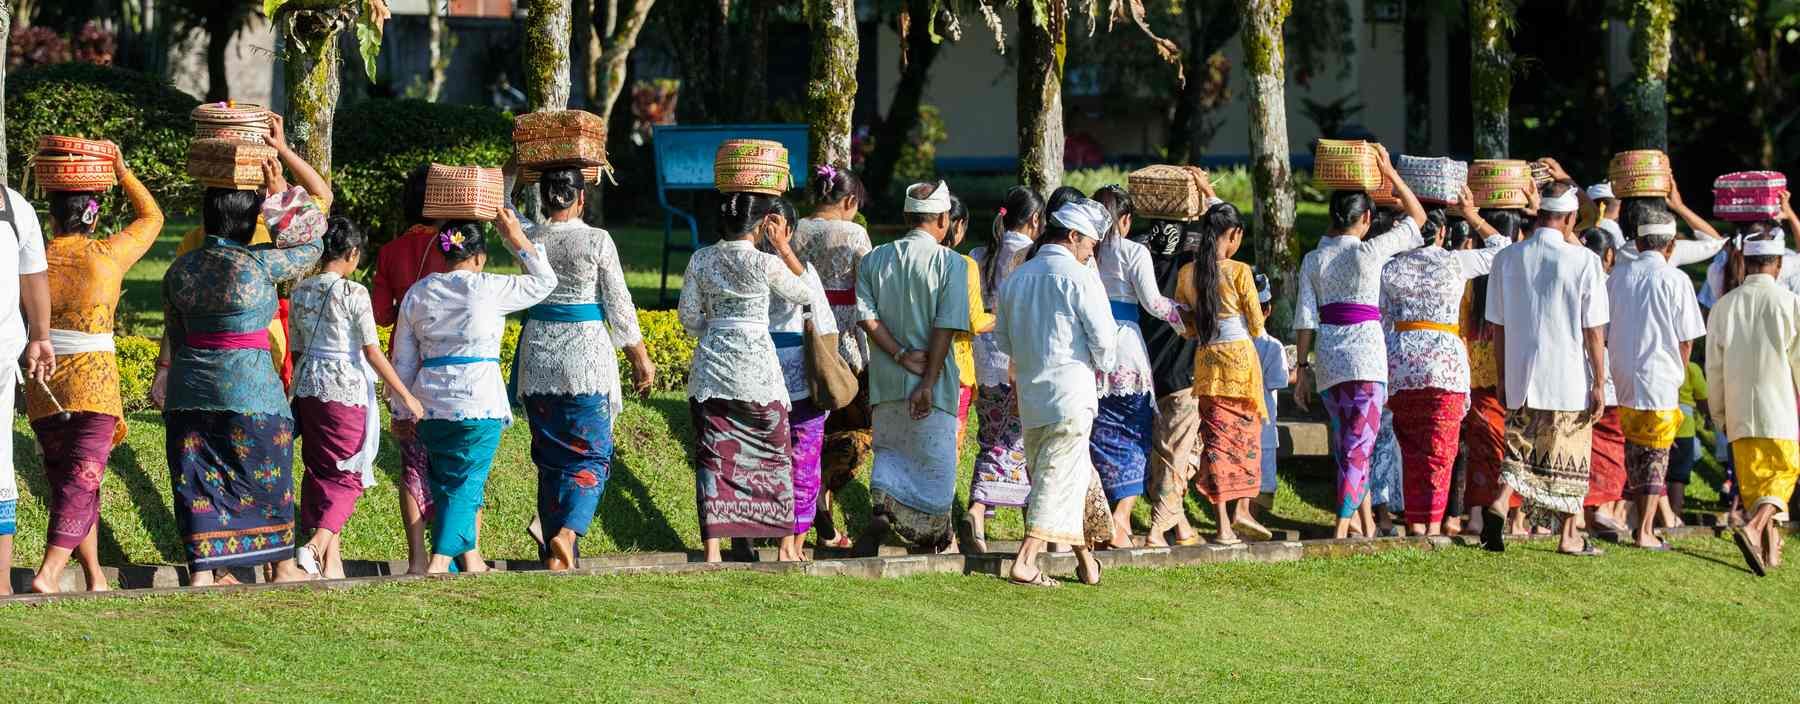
x=589, y=174
x=73, y=172
x=1500, y=183
x=463, y=192
x=1164, y=192
x=1346, y=165
x=243, y=122
x=1748, y=196
x=58, y=145
x=224, y=163
x=1434, y=180
x=1383, y=195
x=751, y=166
x=1639, y=173
x=561, y=137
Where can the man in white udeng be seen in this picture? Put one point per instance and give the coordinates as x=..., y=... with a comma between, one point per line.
x=1055, y=323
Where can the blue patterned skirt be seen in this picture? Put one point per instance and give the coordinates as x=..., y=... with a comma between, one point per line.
x=1121, y=444
x=572, y=446
x=233, y=476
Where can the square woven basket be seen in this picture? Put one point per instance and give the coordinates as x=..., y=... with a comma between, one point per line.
x=463, y=192
x=1164, y=192
x=1748, y=196
x=571, y=137
x=1433, y=179
x=224, y=163
x=1345, y=165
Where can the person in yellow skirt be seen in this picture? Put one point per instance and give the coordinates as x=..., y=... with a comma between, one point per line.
x=1752, y=360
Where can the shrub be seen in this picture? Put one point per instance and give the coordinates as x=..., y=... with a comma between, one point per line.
x=145, y=115
x=377, y=142
x=137, y=369
x=671, y=349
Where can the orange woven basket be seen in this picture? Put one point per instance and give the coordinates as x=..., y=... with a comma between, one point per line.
x=1500, y=183
x=463, y=192
x=571, y=137
x=52, y=144
x=77, y=172
x=1346, y=165
x=1639, y=173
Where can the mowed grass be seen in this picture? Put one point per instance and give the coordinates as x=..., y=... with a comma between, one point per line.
x=1404, y=626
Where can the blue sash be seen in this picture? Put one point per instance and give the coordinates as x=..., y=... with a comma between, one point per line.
x=785, y=340
x=566, y=312
x=454, y=359
x=1124, y=312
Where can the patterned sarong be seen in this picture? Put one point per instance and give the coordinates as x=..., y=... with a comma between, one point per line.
x=1385, y=484
x=1648, y=437
x=1606, y=480
x=1766, y=471
x=1484, y=434
x=1355, y=410
x=1062, y=474
x=233, y=476
x=75, y=453
x=744, y=474
x=1121, y=443
x=1173, y=461
x=1231, y=458
x=1548, y=454
x=572, y=446
x=915, y=460
x=1000, y=478
x=1427, y=423
x=807, y=423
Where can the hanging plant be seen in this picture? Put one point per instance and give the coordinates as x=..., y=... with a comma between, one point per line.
x=323, y=19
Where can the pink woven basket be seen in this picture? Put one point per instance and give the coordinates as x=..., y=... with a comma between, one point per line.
x=463, y=192
x=1748, y=196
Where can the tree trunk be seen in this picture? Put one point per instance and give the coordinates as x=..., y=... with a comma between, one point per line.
x=909, y=91
x=434, y=22
x=546, y=53
x=1765, y=80
x=1490, y=77
x=1270, y=173
x=1043, y=44
x=1645, y=97
x=606, y=76
x=5, y=40
x=312, y=78
x=218, y=38
x=752, y=82
x=831, y=94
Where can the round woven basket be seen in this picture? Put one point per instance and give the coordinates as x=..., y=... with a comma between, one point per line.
x=1345, y=165
x=246, y=122
x=1639, y=173
x=1500, y=183
x=81, y=173
x=51, y=144
x=751, y=166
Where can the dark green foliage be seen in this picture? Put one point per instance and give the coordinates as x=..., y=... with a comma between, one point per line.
x=145, y=115
x=377, y=142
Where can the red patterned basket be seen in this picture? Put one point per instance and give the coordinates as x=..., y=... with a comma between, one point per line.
x=1346, y=165
x=751, y=166
x=244, y=122
x=78, y=172
x=1748, y=196
x=224, y=163
x=463, y=192
x=1500, y=183
x=572, y=137
x=51, y=144
x=1639, y=173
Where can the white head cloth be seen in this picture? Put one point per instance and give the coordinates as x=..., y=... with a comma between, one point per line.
x=1262, y=289
x=1774, y=246
x=1656, y=228
x=1568, y=202
x=937, y=202
x=1083, y=216
x=1600, y=191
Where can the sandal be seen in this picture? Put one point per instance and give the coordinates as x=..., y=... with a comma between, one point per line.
x=1493, y=531
x=1189, y=541
x=308, y=559
x=1752, y=556
x=1040, y=580
x=1587, y=550
x=1228, y=542
x=841, y=542
x=1253, y=531
x=1081, y=571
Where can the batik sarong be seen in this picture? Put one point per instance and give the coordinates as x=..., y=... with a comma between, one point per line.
x=1648, y=437
x=1427, y=423
x=330, y=434
x=1606, y=481
x=1062, y=473
x=1000, y=478
x=1384, y=467
x=572, y=446
x=1766, y=471
x=1484, y=437
x=915, y=460
x=1355, y=410
x=415, y=464
x=1548, y=454
x=1121, y=444
x=461, y=453
x=1173, y=460
x=807, y=423
x=233, y=479
x=744, y=472
x=1231, y=449
x=75, y=453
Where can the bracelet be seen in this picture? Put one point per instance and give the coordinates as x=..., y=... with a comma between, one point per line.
x=161, y=364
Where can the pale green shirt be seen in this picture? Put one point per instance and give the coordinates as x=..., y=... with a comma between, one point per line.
x=1753, y=360
x=913, y=285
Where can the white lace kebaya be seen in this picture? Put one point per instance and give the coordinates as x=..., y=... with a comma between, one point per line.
x=725, y=303
x=573, y=358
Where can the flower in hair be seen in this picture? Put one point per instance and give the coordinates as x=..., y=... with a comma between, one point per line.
x=91, y=211
x=827, y=173
x=450, y=239
x=1002, y=211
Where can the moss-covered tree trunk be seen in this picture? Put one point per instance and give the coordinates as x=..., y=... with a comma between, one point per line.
x=831, y=94
x=312, y=80
x=5, y=40
x=1043, y=44
x=546, y=50
x=1490, y=76
x=1645, y=96
x=1271, y=175
x=613, y=37
x=909, y=93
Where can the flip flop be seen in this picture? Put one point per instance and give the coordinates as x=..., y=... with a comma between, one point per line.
x=1752, y=557
x=307, y=559
x=1041, y=580
x=1660, y=546
x=1252, y=531
x=1228, y=543
x=1081, y=572
x=1493, y=531
x=1188, y=541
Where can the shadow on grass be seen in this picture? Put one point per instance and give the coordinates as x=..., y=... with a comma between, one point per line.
x=153, y=510
x=629, y=512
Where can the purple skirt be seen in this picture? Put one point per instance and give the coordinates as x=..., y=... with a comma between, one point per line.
x=808, y=426
x=331, y=433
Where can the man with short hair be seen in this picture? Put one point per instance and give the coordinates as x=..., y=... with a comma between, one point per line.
x=912, y=296
x=24, y=329
x=1655, y=321
x=1056, y=326
x=1547, y=306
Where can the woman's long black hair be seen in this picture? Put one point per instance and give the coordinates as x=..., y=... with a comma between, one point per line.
x=1016, y=210
x=1217, y=221
x=740, y=212
x=1118, y=205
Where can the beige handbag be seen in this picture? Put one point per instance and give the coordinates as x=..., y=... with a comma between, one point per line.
x=828, y=376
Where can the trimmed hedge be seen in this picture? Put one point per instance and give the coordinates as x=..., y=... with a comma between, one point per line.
x=671, y=349
x=147, y=116
x=377, y=142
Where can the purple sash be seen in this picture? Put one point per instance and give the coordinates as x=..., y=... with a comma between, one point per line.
x=1348, y=313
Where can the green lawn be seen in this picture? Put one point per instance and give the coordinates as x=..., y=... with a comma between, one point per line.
x=1403, y=626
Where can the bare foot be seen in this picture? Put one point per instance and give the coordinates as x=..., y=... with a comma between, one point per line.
x=41, y=585
x=224, y=578
x=562, y=555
